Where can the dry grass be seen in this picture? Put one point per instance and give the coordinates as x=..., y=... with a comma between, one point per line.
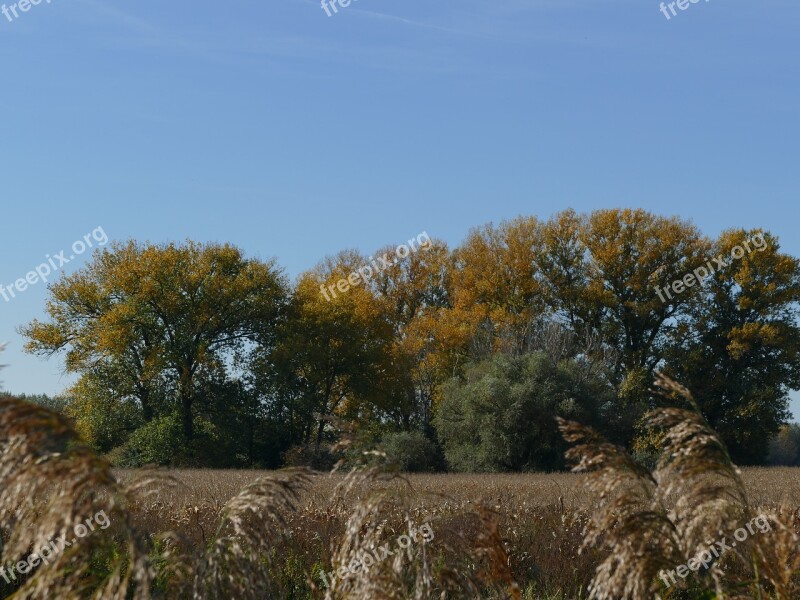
x=249, y=534
x=651, y=523
x=541, y=516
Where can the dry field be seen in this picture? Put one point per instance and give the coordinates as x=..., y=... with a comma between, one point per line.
x=540, y=518
x=209, y=487
x=213, y=535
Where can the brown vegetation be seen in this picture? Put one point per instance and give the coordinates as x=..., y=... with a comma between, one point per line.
x=248, y=534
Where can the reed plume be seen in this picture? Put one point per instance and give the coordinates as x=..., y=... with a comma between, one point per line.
x=648, y=523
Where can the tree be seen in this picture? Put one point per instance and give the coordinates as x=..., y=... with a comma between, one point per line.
x=57, y=403
x=740, y=352
x=168, y=315
x=415, y=292
x=629, y=256
x=501, y=415
x=605, y=274
x=784, y=448
x=199, y=342
x=333, y=357
x=495, y=284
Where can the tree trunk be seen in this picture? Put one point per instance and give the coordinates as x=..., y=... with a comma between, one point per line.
x=320, y=430
x=250, y=457
x=147, y=409
x=187, y=398
x=186, y=417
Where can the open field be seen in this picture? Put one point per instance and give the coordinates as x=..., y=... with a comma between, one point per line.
x=211, y=487
x=617, y=532
x=540, y=518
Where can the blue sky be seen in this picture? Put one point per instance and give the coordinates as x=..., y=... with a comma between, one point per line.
x=295, y=135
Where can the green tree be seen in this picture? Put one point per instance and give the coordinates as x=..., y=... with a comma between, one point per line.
x=103, y=417
x=740, y=352
x=57, y=403
x=168, y=315
x=501, y=415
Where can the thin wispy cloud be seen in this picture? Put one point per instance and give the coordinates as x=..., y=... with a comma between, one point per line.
x=403, y=20
x=131, y=21
x=352, y=9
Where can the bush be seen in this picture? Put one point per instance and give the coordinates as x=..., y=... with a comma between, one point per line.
x=103, y=424
x=103, y=418
x=319, y=458
x=411, y=451
x=158, y=442
x=161, y=442
x=501, y=416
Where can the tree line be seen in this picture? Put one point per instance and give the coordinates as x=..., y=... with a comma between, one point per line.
x=459, y=358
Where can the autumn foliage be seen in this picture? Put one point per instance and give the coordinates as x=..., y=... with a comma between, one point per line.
x=226, y=362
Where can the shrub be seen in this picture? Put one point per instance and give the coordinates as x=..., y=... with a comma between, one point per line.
x=319, y=458
x=501, y=416
x=103, y=422
x=157, y=442
x=162, y=442
x=411, y=451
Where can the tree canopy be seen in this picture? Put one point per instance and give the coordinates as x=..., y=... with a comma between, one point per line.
x=522, y=321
